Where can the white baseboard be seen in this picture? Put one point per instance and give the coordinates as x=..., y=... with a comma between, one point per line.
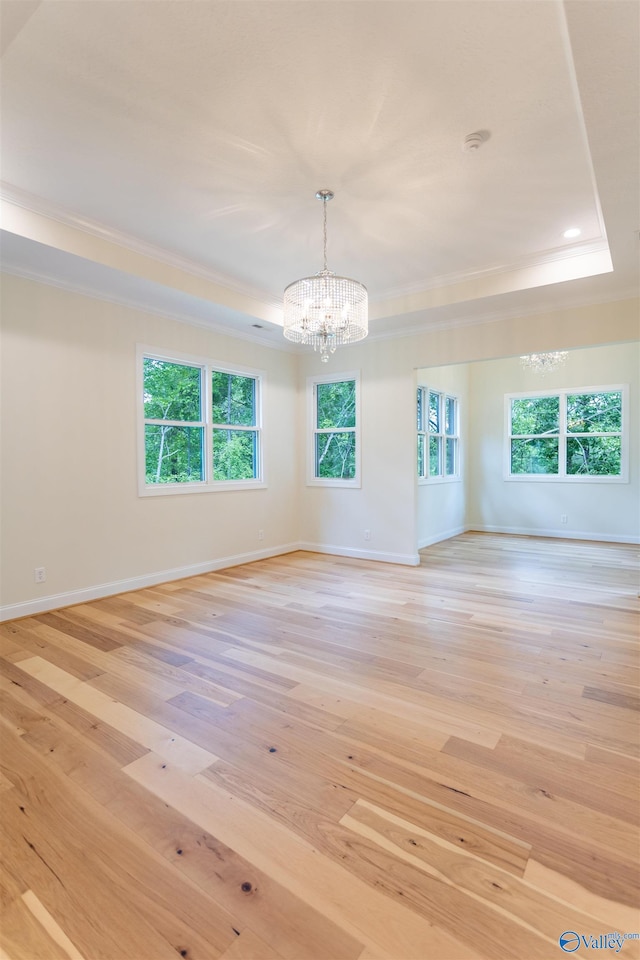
x=438, y=537
x=83, y=595
x=55, y=601
x=558, y=534
x=407, y=559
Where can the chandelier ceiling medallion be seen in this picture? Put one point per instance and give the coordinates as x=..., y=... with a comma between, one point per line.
x=543, y=363
x=325, y=310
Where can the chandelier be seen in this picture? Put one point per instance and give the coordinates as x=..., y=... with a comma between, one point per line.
x=543, y=363
x=325, y=310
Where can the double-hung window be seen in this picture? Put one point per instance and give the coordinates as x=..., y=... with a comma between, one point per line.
x=571, y=434
x=334, y=456
x=200, y=425
x=235, y=432
x=438, y=435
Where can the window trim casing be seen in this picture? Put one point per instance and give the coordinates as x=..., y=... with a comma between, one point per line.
x=444, y=477
x=312, y=382
x=208, y=485
x=562, y=476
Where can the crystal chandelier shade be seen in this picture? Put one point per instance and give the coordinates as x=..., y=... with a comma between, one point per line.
x=543, y=363
x=325, y=311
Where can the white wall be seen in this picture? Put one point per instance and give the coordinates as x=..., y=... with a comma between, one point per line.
x=69, y=490
x=335, y=520
x=594, y=510
x=442, y=506
x=68, y=431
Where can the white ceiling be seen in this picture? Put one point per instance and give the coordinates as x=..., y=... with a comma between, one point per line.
x=167, y=154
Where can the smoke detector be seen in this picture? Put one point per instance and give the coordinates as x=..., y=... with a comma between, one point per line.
x=473, y=141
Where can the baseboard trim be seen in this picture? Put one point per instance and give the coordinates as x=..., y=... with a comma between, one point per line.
x=27, y=608
x=555, y=533
x=439, y=537
x=56, y=601
x=406, y=559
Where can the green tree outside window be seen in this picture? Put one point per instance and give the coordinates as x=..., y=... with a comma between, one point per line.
x=335, y=430
x=185, y=445
x=567, y=434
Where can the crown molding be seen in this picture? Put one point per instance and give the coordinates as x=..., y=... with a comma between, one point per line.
x=543, y=258
x=35, y=204
x=425, y=326
x=121, y=301
x=497, y=316
x=45, y=208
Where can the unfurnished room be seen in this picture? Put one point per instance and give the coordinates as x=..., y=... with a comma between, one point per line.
x=320, y=479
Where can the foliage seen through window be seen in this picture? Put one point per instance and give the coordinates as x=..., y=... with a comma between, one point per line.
x=335, y=434
x=180, y=448
x=567, y=434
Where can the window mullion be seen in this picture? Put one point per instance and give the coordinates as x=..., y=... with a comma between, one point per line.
x=208, y=433
x=174, y=423
x=235, y=426
x=562, y=439
x=335, y=430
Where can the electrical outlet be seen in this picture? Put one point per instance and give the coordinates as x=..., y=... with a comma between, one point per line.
x=367, y=534
x=39, y=574
x=260, y=534
x=564, y=518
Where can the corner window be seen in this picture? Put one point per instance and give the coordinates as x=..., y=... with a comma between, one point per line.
x=438, y=435
x=575, y=434
x=334, y=457
x=200, y=425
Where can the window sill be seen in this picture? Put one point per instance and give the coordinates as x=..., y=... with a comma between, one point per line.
x=180, y=489
x=428, y=481
x=553, y=478
x=344, y=484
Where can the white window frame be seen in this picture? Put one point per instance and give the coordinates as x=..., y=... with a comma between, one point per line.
x=207, y=366
x=443, y=396
x=562, y=476
x=312, y=430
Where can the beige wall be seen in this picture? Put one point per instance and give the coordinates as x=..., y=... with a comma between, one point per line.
x=334, y=518
x=69, y=491
x=69, y=486
x=486, y=500
x=387, y=504
x=598, y=510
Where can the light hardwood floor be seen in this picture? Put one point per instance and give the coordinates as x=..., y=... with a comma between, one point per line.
x=316, y=757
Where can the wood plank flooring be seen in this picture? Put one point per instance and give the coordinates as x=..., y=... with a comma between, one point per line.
x=317, y=758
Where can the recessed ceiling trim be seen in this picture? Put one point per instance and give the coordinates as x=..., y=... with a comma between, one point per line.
x=575, y=91
x=12, y=195
x=29, y=201
x=70, y=239
x=552, y=255
x=121, y=301
x=525, y=278
x=424, y=325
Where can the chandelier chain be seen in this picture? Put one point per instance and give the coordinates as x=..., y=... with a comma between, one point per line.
x=324, y=204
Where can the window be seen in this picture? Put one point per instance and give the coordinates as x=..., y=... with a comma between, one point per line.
x=335, y=456
x=574, y=434
x=438, y=436
x=173, y=422
x=235, y=437
x=201, y=426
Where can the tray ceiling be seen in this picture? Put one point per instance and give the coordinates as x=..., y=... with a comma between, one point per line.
x=168, y=154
